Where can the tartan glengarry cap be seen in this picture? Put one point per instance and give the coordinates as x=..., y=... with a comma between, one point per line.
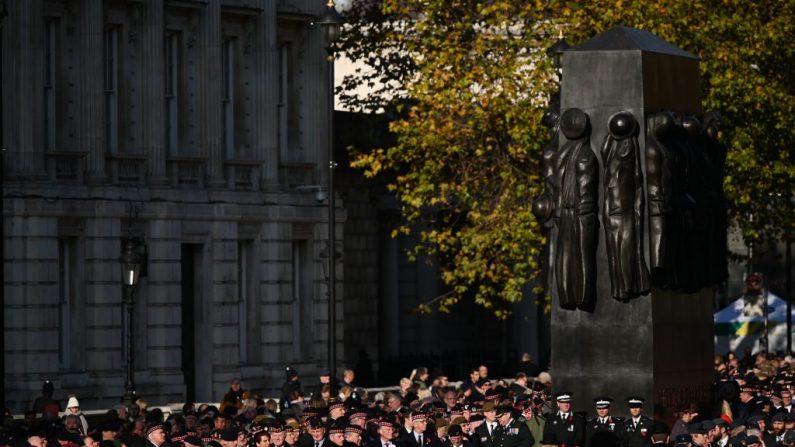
x=336, y=429
x=354, y=429
x=153, y=428
x=336, y=404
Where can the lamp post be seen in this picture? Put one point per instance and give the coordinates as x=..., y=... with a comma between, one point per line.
x=130, y=261
x=331, y=21
x=556, y=53
x=3, y=15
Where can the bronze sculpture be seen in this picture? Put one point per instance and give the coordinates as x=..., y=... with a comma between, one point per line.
x=659, y=182
x=544, y=205
x=689, y=262
x=624, y=208
x=576, y=222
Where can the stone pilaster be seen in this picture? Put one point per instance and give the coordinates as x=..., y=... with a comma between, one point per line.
x=23, y=83
x=266, y=95
x=209, y=92
x=153, y=100
x=91, y=133
x=313, y=71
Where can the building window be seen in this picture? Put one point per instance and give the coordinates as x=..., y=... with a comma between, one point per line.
x=248, y=309
x=70, y=305
x=243, y=300
x=111, y=85
x=172, y=91
x=50, y=76
x=302, y=301
x=229, y=58
x=289, y=113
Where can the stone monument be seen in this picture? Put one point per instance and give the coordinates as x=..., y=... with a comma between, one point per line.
x=636, y=220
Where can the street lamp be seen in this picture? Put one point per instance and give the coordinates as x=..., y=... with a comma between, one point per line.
x=131, y=261
x=331, y=21
x=556, y=53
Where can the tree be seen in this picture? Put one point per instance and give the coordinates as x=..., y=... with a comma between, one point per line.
x=469, y=82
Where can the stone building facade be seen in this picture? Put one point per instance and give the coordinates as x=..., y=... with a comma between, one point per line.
x=199, y=125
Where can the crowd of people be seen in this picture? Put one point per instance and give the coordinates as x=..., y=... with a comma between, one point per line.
x=752, y=408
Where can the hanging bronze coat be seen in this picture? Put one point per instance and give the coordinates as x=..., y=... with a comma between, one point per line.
x=577, y=223
x=659, y=181
x=624, y=208
x=544, y=204
x=689, y=256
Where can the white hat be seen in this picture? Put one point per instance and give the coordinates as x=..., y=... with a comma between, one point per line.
x=72, y=402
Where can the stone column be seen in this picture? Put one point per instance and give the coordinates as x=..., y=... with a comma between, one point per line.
x=91, y=133
x=153, y=96
x=208, y=77
x=266, y=95
x=22, y=78
x=313, y=70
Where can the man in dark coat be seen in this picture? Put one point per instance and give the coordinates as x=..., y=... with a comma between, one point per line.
x=233, y=397
x=637, y=429
x=385, y=435
x=565, y=427
x=485, y=431
x=353, y=436
x=419, y=436
x=519, y=386
x=511, y=432
x=156, y=436
x=604, y=425
x=455, y=437
x=291, y=386
x=45, y=403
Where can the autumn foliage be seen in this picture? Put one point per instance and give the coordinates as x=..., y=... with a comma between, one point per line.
x=468, y=82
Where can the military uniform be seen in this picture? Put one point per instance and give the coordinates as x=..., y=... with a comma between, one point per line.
x=514, y=434
x=455, y=432
x=564, y=429
x=602, y=426
x=464, y=443
x=568, y=431
x=484, y=438
x=598, y=425
x=636, y=433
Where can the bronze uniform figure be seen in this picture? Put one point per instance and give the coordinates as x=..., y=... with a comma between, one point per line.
x=623, y=211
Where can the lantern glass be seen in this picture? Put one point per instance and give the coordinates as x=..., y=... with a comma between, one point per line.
x=130, y=264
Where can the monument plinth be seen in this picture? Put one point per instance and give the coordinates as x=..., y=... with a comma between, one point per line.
x=635, y=212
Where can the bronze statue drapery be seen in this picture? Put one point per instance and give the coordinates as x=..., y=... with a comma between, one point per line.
x=624, y=208
x=659, y=182
x=577, y=223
